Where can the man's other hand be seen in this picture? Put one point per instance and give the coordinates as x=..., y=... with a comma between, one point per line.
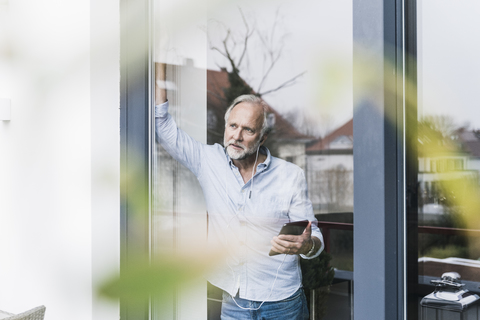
x=290, y=244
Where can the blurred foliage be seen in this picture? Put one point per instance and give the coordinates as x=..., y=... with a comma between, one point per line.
x=317, y=272
x=457, y=190
x=140, y=279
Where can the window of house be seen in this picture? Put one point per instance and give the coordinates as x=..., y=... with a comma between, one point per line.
x=458, y=164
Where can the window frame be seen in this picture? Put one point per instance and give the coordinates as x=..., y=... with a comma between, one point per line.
x=383, y=291
x=136, y=97
x=384, y=179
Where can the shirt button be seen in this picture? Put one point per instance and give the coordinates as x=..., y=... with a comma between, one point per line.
x=243, y=191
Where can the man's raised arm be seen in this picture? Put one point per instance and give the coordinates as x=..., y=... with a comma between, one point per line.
x=176, y=142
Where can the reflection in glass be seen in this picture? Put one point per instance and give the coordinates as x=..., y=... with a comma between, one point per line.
x=448, y=141
x=297, y=57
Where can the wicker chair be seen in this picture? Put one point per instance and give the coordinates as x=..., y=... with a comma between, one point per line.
x=33, y=314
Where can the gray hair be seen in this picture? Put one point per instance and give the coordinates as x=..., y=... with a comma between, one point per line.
x=251, y=98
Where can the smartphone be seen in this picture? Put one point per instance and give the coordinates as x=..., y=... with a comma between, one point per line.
x=295, y=228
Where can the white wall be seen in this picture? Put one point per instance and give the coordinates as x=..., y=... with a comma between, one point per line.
x=324, y=187
x=105, y=148
x=295, y=150
x=326, y=162
x=59, y=202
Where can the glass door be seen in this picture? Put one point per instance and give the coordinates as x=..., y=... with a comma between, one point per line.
x=296, y=56
x=448, y=141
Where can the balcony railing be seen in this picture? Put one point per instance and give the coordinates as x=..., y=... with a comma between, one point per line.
x=326, y=226
x=449, y=231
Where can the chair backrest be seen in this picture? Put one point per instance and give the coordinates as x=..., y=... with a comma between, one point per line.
x=37, y=313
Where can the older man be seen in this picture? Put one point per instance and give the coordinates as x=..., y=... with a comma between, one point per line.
x=249, y=195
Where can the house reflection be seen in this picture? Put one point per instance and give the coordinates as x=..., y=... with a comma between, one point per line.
x=330, y=171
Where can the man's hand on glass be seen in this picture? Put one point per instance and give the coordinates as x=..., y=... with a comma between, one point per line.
x=160, y=84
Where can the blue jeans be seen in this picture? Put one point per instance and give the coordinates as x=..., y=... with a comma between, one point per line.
x=292, y=308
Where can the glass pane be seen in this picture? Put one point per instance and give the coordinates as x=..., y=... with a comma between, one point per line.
x=178, y=222
x=297, y=56
x=448, y=142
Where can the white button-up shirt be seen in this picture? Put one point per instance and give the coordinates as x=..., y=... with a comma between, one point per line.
x=244, y=217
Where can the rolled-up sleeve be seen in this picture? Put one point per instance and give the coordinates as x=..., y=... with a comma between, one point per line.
x=161, y=110
x=176, y=142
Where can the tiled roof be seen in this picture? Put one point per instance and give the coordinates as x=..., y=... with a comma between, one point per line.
x=324, y=144
x=216, y=101
x=469, y=140
x=216, y=81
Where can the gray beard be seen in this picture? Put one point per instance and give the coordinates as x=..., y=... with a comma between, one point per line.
x=241, y=155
